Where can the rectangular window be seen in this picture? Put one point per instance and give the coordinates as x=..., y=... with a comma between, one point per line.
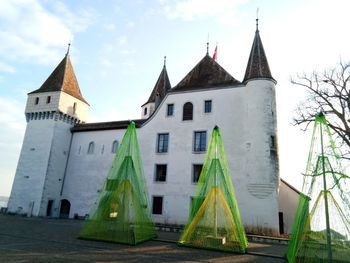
x=36, y=101
x=200, y=141
x=197, y=168
x=170, y=110
x=157, y=205
x=48, y=99
x=207, y=106
x=163, y=141
x=161, y=170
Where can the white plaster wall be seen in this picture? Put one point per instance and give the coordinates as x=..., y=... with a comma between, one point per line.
x=66, y=103
x=59, y=101
x=260, y=192
x=231, y=111
x=42, y=106
x=227, y=107
x=56, y=166
x=86, y=173
x=31, y=170
x=288, y=202
x=150, y=109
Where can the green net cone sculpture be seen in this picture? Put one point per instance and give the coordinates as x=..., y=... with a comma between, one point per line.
x=321, y=231
x=214, y=221
x=121, y=213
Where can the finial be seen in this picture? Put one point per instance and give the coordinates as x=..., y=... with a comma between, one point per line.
x=257, y=19
x=164, y=61
x=68, y=49
x=208, y=44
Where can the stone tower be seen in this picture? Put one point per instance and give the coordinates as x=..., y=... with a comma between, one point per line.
x=261, y=142
x=50, y=113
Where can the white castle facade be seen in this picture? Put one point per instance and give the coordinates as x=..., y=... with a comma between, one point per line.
x=64, y=161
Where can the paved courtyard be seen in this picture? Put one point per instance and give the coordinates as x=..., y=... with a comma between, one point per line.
x=54, y=240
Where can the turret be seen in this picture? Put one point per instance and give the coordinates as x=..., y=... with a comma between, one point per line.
x=50, y=113
x=260, y=131
x=158, y=93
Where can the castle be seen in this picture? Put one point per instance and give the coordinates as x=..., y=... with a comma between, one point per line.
x=64, y=160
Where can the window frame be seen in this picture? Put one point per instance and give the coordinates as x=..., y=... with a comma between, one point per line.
x=114, y=148
x=75, y=106
x=200, y=150
x=187, y=116
x=170, y=105
x=91, y=148
x=156, y=178
x=158, y=143
x=153, y=208
x=210, y=103
x=193, y=170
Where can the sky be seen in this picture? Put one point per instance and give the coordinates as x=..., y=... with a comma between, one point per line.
x=117, y=50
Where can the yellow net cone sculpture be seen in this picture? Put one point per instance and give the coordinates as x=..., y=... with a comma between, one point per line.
x=214, y=221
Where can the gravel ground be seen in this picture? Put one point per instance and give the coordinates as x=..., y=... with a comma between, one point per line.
x=54, y=240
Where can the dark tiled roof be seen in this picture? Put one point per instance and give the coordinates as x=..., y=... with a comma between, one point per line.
x=162, y=86
x=62, y=79
x=207, y=73
x=257, y=67
x=112, y=125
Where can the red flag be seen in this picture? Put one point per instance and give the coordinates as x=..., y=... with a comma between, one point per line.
x=215, y=55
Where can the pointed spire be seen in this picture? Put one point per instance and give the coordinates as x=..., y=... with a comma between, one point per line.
x=68, y=49
x=162, y=86
x=207, y=45
x=62, y=79
x=257, y=66
x=257, y=19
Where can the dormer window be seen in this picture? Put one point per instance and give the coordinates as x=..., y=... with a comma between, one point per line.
x=36, y=101
x=74, y=107
x=48, y=99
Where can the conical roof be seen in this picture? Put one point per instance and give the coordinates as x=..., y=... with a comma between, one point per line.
x=207, y=73
x=257, y=66
x=62, y=79
x=162, y=86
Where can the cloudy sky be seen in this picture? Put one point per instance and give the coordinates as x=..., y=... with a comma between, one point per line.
x=118, y=47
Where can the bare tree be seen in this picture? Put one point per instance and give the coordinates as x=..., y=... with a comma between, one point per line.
x=328, y=92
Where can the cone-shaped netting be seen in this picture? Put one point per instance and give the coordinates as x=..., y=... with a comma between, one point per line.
x=121, y=213
x=321, y=225
x=214, y=221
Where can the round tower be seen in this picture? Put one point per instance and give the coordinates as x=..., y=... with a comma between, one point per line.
x=51, y=111
x=261, y=142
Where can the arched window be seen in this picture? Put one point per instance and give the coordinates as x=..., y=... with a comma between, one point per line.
x=187, y=111
x=115, y=145
x=91, y=148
